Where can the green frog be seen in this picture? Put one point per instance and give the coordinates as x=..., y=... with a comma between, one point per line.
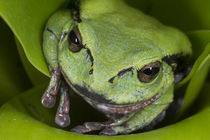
x=122, y=62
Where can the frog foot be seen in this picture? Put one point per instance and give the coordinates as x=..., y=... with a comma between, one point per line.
x=49, y=97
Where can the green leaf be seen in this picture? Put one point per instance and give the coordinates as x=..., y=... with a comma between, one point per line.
x=186, y=15
x=198, y=76
x=13, y=79
x=27, y=18
x=199, y=40
x=203, y=99
x=18, y=121
x=34, y=75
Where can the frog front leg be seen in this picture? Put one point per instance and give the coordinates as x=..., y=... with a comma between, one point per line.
x=52, y=35
x=49, y=97
x=51, y=38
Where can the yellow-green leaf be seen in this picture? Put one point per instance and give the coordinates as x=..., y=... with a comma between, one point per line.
x=27, y=18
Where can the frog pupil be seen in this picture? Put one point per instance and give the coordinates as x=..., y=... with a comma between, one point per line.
x=73, y=38
x=151, y=71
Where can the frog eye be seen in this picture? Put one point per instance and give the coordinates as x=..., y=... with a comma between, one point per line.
x=149, y=72
x=75, y=40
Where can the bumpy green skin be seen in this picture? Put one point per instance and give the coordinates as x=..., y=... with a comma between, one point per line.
x=50, y=40
x=118, y=37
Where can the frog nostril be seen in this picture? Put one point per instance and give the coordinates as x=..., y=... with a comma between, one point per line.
x=91, y=71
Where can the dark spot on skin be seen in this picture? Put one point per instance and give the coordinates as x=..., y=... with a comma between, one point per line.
x=91, y=71
x=90, y=55
x=112, y=79
x=92, y=95
x=49, y=30
x=179, y=76
x=121, y=73
x=63, y=35
x=180, y=66
x=173, y=59
x=74, y=5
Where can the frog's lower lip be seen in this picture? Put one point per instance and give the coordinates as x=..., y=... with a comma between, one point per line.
x=121, y=109
x=110, y=108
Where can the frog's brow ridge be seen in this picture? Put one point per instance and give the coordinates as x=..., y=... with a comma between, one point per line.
x=121, y=73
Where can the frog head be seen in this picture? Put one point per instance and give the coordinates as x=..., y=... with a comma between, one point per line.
x=119, y=61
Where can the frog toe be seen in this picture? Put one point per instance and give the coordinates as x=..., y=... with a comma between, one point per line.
x=63, y=120
x=48, y=100
x=62, y=116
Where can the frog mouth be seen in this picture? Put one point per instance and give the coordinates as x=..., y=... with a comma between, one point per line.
x=121, y=109
x=107, y=106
